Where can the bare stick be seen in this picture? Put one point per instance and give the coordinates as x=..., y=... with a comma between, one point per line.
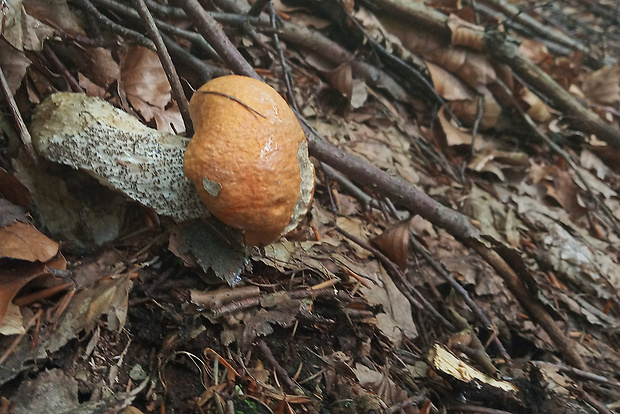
x=166, y=62
x=215, y=36
x=64, y=72
x=514, y=13
x=509, y=54
x=115, y=27
x=205, y=71
x=130, y=13
x=24, y=134
x=258, y=7
x=276, y=44
x=262, y=345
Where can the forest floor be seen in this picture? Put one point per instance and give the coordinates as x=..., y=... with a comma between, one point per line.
x=461, y=254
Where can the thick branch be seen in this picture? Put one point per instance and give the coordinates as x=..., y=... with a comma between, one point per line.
x=509, y=54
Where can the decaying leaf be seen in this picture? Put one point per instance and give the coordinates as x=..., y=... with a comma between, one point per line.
x=12, y=323
x=51, y=391
x=14, y=64
x=21, y=30
x=465, y=33
x=211, y=245
x=108, y=298
x=282, y=311
x=396, y=319
x=12, y=280
x=24, y=242
x=603, y=85
x=394, y=243
x=341, y=79
x=148, y=90
x=454, y=135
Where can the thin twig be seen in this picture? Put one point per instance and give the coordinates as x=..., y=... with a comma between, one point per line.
x=115, y=27
x=480, y=315
x=166, y=62
x=194, y=37
x=258, y=7
x=399, y=278
x=585, y=396
x=215, y=36
x=24, y=134
x=204, y=71
x=262, y=345
x=276, y=45
x=64, y=72
x=366, y=200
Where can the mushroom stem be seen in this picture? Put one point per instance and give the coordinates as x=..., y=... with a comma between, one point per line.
x=146, y=165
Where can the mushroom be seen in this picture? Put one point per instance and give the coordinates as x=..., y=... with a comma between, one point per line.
x=249, y=158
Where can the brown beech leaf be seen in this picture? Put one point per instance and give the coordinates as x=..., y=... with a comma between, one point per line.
x=341, y=79
x=563, y=190
x=603, y=85
x=448, y=85
x=24, y=242
x=454, y=135
x=538, y=110
x=468, y=65
x=463, y=98
x=13, y=280
x=394, y=243
x=13, y=190
x=535, y=51
x=148, y=90
x=14, y=64
x=11, y=214
x=465, y=33
x=21, y=30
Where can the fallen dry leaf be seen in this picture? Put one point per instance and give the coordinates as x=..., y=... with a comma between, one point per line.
x=148, y=90
x=12, y=280
x=603, y=85
x=396, y=319
x=454, y=135
x=394, y=243
x=14, y=64
x=21, y=30
x=13, y=191
x=24, y=242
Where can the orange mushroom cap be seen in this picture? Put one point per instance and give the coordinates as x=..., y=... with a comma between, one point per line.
x=249, y=158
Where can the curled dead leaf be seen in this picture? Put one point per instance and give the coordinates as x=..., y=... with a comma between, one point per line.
x=394, y=243
x=13, y=280
x=465, y=33
x=454, y=135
